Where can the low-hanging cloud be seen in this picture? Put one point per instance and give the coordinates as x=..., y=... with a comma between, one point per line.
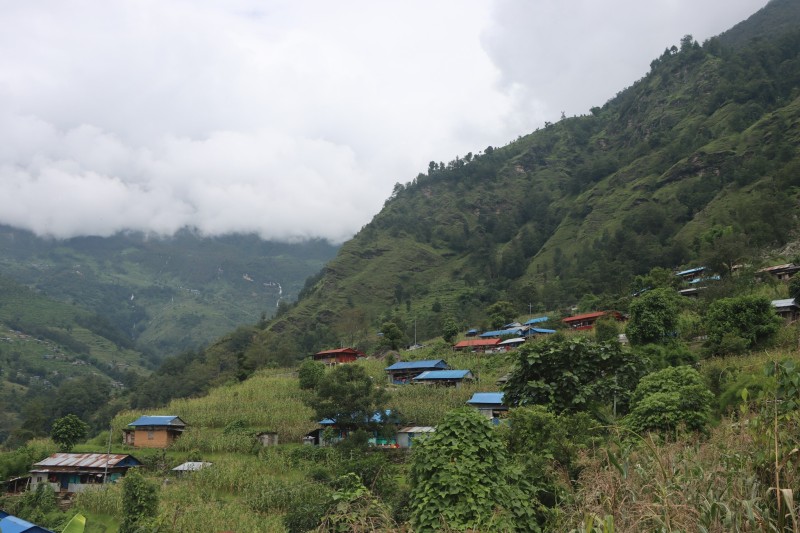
x=287, y=119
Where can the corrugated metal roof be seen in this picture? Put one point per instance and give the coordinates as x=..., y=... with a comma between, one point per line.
x=13, y=524
x=191, y=466
x=596, y=314
x=443, y=374
x=477, y=342
x=417, y=429
x=85, y=460
x=543, y=331
x=343, y=351
x=690, y=271
x=788, y=302
x=502, y=332
x=537, y=320
x=494, y=398
x=412, y=365
x=517, y=340
x=159, y=420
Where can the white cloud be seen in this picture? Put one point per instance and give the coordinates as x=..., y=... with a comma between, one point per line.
x=291, y=119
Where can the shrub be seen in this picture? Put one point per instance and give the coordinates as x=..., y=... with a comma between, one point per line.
x=669, y=399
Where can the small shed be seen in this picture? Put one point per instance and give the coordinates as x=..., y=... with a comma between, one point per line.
x=406, y=435
x=447, y=378
x=267, y=438
x=787, y=309
x=73, y=472
x=403, y=372
x=476, y=345
x=489, y=404
x=338, y=356
x=153, y=431
x=472, y=332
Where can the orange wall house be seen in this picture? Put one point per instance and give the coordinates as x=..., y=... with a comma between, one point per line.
x=154, y=431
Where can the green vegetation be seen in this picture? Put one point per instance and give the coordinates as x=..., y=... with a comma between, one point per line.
x=68, y=431
x=693, y=426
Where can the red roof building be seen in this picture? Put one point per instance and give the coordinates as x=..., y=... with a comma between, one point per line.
x=477, y=344
x=338, y=357
x=587, y=320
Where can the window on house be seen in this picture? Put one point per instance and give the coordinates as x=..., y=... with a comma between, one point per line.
x=149, y=435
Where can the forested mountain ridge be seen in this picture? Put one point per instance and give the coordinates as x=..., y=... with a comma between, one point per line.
x=164, y=295
x=696, y=162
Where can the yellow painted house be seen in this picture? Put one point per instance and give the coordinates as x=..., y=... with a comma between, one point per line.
x=153, y=431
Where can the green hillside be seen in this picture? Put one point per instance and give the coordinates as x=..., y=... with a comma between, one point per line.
x=696, y=163
x=164, y=294
x=48, y=351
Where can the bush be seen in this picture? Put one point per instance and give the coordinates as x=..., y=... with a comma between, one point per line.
x=669, y=399
x=739, y=324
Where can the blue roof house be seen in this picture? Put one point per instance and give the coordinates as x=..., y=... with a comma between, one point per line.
x=489, y=404
x=153, y=431
x=404, y=371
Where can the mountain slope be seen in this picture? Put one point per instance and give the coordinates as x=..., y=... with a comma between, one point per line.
x=697, y=161
x=168, y=294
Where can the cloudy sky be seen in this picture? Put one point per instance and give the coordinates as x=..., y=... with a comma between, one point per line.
x=292, y=118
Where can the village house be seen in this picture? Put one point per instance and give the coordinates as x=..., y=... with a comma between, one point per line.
x=73, y=472
x=332, y=431
x=190, y=466
x=476, y=345
x=447, y=378
x=153, y=431
x=403, y=372
x=509, y=344
x=780, y=272
x=787, y=309
x=489, y=404
x=587, y=320
x=339, y=356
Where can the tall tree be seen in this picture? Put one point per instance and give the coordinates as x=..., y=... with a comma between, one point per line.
x=68, y=431
x=653, y=317
x=348, y=396
x=461, y=480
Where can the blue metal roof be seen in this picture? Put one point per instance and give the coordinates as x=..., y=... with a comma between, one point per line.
x=473, y=330
x=376, y=418
x=12, y=524
x=502, y=332
x=536, y=320
x=443, y=374
x=690, y=271
x=542, y=331
x=158, y=421
x=417, y=365
x=700, y=280
x=494, y=398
